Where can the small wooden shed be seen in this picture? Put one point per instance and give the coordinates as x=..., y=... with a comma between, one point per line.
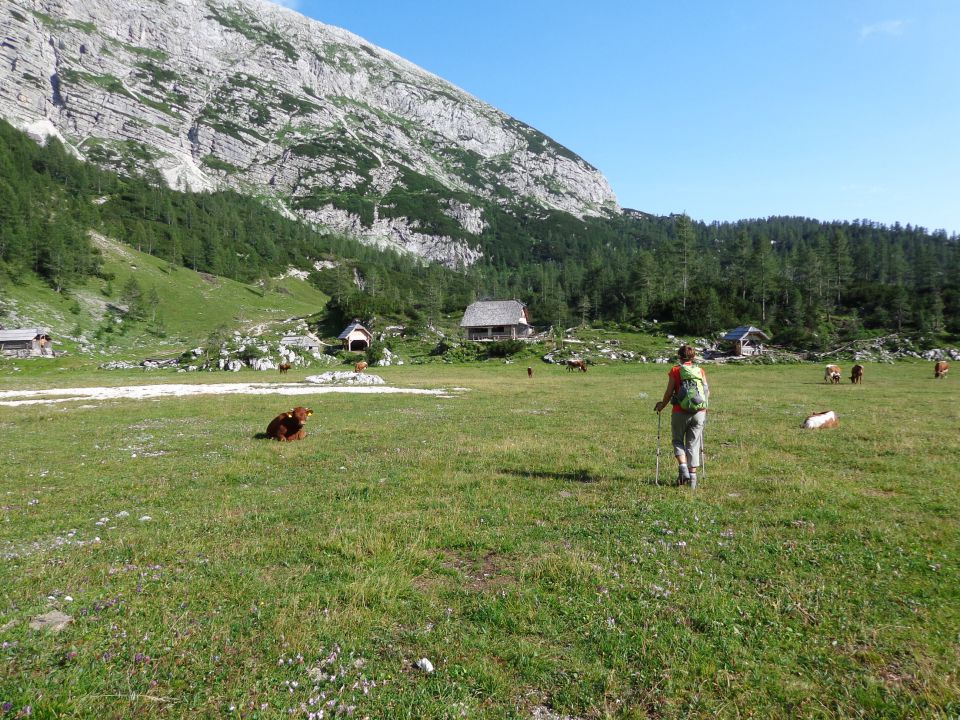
x=355, y=337
x=746, y=340
x=26, y=342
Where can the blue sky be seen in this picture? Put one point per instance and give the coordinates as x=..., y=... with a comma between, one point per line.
x=724, y=110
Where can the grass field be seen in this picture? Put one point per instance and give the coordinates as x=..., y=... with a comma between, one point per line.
x=511, y=534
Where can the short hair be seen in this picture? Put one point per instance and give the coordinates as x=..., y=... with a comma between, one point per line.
x=686, y=353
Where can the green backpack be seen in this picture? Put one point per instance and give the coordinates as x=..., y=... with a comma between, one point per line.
x=693, y=393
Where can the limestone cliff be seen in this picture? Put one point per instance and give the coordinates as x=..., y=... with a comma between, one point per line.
x=248, y=95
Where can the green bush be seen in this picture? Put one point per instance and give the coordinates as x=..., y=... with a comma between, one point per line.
x=505, y=348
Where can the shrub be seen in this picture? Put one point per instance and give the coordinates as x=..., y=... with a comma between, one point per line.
x=505, y=348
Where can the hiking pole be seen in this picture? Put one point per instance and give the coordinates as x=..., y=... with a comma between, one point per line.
x=703, y=455
x=657, y=480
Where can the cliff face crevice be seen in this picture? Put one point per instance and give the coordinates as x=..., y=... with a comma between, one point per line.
x=248, y=95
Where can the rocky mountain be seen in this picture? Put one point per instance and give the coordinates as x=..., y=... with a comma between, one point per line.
x=245, y=94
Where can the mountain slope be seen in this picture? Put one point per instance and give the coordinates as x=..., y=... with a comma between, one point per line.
x=248, y=95
x=93, y=315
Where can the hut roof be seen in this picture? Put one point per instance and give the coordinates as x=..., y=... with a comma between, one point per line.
x=494, y=312
x=350, y=328
x=20, y=334
x=745, y=331
x=302, y=340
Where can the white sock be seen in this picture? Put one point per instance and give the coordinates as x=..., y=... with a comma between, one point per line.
x=684, y=471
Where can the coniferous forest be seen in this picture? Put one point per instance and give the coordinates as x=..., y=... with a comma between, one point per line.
x=803, y=280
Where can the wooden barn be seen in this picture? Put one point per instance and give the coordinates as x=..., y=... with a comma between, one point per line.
x=26, y=342
x=355, y=337
x=496, y=320
x=745, y=340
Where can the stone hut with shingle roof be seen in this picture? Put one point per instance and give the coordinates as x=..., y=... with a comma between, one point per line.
x=497, y=320
x=26, y=342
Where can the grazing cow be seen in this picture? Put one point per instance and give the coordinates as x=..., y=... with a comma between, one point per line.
x=288, y=426
x=941, y=368
x=832, y=374
x=284, y=367
x=825, y=419
x=573, y=365
x=360, y=367
x=856, y=375
x=529, y=372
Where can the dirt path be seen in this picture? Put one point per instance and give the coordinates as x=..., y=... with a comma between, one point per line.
x=14, y=398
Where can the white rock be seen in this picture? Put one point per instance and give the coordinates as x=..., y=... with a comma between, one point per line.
x=425, y=665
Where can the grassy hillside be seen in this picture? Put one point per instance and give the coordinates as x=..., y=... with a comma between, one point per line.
x=190, y=305
x=511, y=534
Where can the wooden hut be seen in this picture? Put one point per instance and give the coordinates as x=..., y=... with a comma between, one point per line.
x=307, y=342
x=496, y=320
x=746, y=340
x=355, y=337
x=26, y=342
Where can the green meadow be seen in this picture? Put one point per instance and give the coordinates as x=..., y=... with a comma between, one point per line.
x=510, y=533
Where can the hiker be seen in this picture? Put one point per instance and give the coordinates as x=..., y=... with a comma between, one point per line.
x=688, y=391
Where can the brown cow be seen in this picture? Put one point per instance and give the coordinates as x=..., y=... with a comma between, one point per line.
x=856, y=375
x=288, y=426
x=941, y=368
x=284, y=367
x=573, y=365
x=360, y=367
x=529, y=372
x=832, y=374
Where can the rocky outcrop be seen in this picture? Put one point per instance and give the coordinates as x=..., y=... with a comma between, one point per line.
x=248, y=95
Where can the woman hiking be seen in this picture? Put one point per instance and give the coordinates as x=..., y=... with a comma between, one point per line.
x=688, y=392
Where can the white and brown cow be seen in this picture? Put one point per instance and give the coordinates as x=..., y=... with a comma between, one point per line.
x=941, y=368
x=821, y=420
x=832, y=374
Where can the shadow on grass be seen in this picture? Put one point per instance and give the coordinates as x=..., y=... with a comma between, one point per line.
x=580, y=476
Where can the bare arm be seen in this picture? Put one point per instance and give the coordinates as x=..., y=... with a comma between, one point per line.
x=668, y=393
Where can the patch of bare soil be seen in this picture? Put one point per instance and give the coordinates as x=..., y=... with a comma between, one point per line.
x=480, y=574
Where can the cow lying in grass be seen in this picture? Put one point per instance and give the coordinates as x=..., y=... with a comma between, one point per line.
x=580, y=365
x=941, y=369
x=360, y=367
x=825, y=419
x=856, y=375
x=832, y=374
x=288, y=426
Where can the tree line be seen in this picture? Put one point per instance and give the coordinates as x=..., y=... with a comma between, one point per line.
x=803, y=280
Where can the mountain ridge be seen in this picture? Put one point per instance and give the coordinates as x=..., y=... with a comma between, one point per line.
x=252, y=96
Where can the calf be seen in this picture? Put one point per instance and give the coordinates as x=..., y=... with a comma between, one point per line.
x=360, y=367
x=832, y=374
x=529, y=372
x=573, y=365
x=941, y=368
x=856, y=374
x=288, y=426
x=825, y=419
x=284, y=367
